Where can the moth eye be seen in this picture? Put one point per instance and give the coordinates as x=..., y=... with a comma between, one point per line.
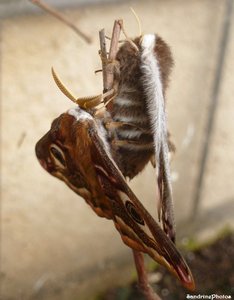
x=58, y=154
x=134, y=213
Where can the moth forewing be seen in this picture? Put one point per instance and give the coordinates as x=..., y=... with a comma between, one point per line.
x=137, y=227
x=89, y=155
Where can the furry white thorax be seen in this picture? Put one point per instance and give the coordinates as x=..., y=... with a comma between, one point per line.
x=148, y=41
x=79, y=113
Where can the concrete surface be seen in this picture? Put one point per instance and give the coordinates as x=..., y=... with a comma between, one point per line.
x=52, y=245
x=9, y=8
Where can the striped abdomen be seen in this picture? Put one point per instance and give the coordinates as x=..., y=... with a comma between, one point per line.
x=134, y=139
x=131, y=112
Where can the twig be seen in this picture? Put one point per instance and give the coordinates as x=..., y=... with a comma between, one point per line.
x=108, y=61
x=143, y=283
x=112, y=53
x=115, y=38
x=62, y=18
x=104, y=58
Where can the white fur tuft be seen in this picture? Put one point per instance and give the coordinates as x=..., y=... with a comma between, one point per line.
x=79, y=113
x=154, y=92
x=148, y=41
x=153, y=89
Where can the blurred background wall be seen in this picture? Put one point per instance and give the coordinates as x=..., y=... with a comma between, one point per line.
x=52, y=244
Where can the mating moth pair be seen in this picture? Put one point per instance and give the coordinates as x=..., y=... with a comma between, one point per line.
x=94, y=150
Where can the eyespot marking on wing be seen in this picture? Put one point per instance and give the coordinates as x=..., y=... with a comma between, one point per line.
x=58, y=156
x=132, y=211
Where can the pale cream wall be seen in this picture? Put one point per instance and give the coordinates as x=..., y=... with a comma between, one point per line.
x=52, y=245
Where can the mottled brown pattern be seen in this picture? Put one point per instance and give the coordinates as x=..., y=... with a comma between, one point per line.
x=73, y=140
x=90, y=171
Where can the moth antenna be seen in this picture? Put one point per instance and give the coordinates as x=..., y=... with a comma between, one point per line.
x=62, y=87
x=128, y=38
x=138, y=21
x=83, y=102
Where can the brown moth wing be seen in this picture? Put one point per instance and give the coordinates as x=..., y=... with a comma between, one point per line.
x=136, y=226
x=91, y=172
x=70, y=138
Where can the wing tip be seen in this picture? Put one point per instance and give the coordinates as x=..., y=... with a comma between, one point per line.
x=185, y=276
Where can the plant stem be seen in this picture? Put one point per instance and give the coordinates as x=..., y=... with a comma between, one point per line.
x=108, y=60
x=62, y=18
x=143, y=282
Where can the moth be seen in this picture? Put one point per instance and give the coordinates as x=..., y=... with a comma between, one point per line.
x=94, y=153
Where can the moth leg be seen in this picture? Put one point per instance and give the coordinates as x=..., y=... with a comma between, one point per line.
x=121, y=143
x=119, y=41
x=104, y=58
x=110, y=99
x=90, y=101
x=106, y=95
x=93, y=101
x=107, y=37
x=98, y=71
x=118, y=125
x=113, y=64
